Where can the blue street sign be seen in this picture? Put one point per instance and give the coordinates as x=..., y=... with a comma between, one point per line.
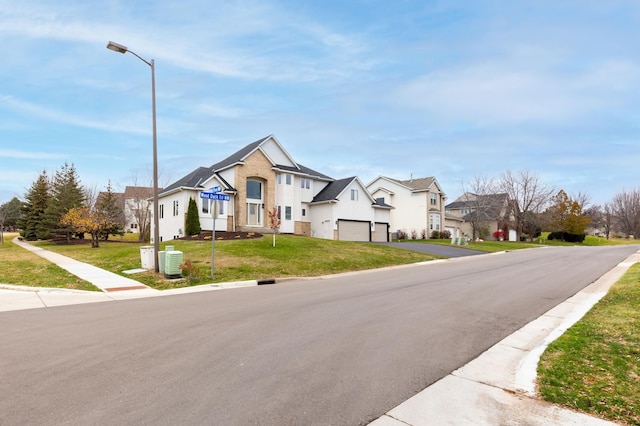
x=214, y=189
x=212, y=196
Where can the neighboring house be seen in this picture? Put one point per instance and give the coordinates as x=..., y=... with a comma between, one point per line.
x=257, y=178
x=418, y=204
x=484, y=214
x=137, y=201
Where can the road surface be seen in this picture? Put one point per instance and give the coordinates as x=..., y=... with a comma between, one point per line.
x=339, y=351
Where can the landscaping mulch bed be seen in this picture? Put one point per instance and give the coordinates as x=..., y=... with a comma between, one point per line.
x=223, y=235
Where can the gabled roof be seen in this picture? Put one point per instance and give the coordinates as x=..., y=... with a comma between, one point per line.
x=202, y=174
x=332, y=191
x=491, y=205
x=138, y=192
x=302, y=170
x=414, y=185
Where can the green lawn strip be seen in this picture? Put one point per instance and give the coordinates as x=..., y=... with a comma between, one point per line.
x=486, y=246
x=22, y=267
x=252, y=259
x=595, y=366
x=491, y=246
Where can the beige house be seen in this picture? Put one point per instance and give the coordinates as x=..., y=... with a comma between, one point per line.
x=418, y=204
x=480, y=216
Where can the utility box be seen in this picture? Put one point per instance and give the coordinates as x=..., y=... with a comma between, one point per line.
x=173, y=260
x=146, y=256
x=162, y=256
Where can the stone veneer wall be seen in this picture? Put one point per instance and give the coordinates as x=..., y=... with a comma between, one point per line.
x=302, y=228
x=256, y=166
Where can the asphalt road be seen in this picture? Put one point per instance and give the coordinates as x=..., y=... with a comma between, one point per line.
x=338, y=351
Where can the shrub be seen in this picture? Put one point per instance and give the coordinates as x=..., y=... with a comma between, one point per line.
x=414, y=234
x=402, y=234
x=423, y=234
x=445, y=235
x=435, y=235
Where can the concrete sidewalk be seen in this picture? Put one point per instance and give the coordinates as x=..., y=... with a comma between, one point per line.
x=497, y=388
x=113, y=286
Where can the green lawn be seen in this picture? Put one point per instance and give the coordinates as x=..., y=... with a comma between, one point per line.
x=293, y=256
x=595, y=366
x=21, y=267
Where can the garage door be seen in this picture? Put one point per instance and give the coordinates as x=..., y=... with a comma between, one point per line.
x=382, y=232
x=352, y=230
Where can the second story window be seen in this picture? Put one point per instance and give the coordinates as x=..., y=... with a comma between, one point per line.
x=175, y=208
x=434, y=199
x=305, y=183
x=354, y=194
x=288, y=179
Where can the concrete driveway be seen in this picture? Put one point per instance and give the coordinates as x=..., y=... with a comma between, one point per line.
x=437, y=249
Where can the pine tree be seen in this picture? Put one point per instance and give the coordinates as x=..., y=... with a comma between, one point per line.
x=193, y=220
x=108, y=206
x=32, y=211
x=66, y=193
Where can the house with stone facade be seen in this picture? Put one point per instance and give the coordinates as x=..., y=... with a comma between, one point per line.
x=480, y=216
x=262, y=176
x=418, y=204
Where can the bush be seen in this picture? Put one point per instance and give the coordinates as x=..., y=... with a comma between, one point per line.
x=565, y=236
x=414, y=234
x=423, y=234
x=402, y=234
x=445, y=235
x=435, y=235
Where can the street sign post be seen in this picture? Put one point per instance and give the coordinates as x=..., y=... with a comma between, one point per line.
x=215, y=195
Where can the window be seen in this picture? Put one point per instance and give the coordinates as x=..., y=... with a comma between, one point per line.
x=161, y=212
x=279, y=178
x=220, y=207
x=434, y=199
x=175, y=208
x=254, y=190
x=434, y=222
x=287, y=213
x=279, y=212
x=288, y=179
x=205, y=205
x=305, y=183
x=354, y=194
x=304, y=212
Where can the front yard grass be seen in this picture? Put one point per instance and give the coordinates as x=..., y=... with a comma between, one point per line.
x=252, y=259
x=595, y=366
x=21, y=267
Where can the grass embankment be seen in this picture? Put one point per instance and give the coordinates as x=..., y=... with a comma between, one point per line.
x=595, y=366
x=490, y=246
x=293, y=256
x=22, y=267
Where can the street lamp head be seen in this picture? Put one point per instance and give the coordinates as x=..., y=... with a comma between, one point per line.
x=117, y=47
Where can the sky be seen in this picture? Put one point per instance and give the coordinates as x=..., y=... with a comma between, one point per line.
x=403, y=88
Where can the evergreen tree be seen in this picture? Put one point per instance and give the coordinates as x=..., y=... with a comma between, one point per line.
x=11, y=213
x=66, y=193
x=108, y=206
x=32, y=211
x=193, y=220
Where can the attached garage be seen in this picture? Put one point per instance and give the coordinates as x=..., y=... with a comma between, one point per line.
x=354, y=230
x=381, y=232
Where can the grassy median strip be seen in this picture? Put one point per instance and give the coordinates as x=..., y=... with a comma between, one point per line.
x=252, y=259
x=21, y=267
x=595, y=366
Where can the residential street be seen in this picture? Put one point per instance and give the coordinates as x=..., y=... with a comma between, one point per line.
x=336, y=351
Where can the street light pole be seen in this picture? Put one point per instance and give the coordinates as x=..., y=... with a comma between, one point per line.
x=156, y=220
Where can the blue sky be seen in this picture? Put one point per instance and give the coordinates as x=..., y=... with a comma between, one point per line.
x=451, y=89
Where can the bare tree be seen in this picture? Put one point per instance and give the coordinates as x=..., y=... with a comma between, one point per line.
x=626, y=207
x=583, y=199
x=527, y=194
